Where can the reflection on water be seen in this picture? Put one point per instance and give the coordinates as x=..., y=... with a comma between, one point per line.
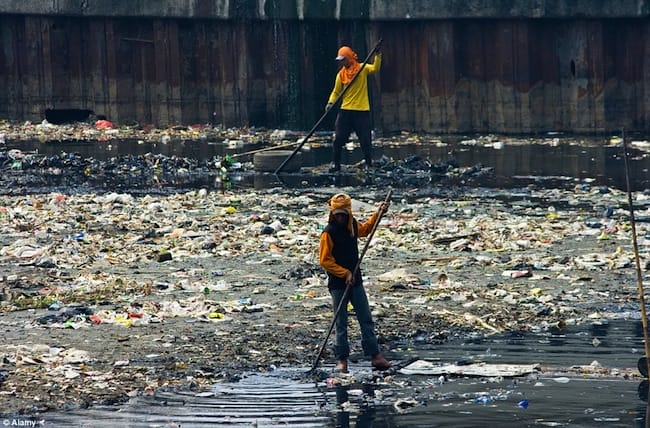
x=515, y=162
x=555, y=396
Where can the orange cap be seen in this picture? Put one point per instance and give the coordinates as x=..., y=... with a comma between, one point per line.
x=346, y=52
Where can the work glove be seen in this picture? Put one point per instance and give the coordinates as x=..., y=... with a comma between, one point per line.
x=328, y=107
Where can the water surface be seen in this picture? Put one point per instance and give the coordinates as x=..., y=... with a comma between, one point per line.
x=610, y=395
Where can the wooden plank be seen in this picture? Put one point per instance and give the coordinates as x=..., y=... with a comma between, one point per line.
x=521, y=55
x=549, y=66
x=136, y=40
x=592, y=94
x=215, y=62
x=644, y=90
x=125, y=69
x=439, y=74
x=505, y=91
x=635, y=42
x=6, y=54
x=421, y=104
x=149, y=69
x=254, y=87
x=76, y=42
x=159, y=91
x=113, y=111
x=405, y=107
x=190, y=48
x=32, y=71
x=11, y=30
x=47, y=84
x=521, y=76
x=228, y=65
x=213, y=74
x=474, y=51
x=536, y=82
x=63, y=69
x=202, y=79
x=229, y=69
x=216, y=73
x=240, y=44
x=95, y=67
x=174, y=76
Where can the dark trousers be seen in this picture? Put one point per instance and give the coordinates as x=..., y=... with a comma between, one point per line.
x=357, y=296
x=348, y=121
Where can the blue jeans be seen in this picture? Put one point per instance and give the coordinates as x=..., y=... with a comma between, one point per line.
x=356, y=296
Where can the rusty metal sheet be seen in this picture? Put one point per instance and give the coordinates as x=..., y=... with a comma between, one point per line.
x=452, y=75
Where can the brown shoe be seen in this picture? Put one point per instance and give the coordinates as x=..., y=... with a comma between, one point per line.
x=380, y=363
x=342, y=366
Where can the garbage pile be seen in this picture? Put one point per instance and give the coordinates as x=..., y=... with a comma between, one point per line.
x=106, y=131
x=36, y=172
x=91, y=246
x=136, y=291
x=418, y=171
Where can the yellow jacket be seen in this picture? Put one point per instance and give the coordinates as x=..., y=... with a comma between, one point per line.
x=356, y=98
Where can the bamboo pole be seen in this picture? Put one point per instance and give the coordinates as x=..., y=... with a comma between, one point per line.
x=639, y=276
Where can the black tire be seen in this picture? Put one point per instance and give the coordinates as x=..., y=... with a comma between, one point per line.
x=271, y=160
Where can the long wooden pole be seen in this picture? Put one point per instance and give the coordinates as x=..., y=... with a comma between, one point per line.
x=639, y=275
x=347, y=287
x=313, y=129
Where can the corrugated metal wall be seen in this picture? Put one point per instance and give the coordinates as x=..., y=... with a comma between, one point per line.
x=450, y=75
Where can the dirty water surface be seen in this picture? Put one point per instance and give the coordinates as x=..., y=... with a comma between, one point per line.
x=42, y=157
x=157, y=302
x=572, y=384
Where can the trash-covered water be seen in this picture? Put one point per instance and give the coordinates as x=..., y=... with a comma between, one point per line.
x=404, y=161
x=586, y=378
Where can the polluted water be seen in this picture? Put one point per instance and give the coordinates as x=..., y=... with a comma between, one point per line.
x=579, y=374
x=407, y=160
x=567, y=382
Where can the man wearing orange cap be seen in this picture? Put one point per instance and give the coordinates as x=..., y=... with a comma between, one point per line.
x=339, y=255
x=354, y=114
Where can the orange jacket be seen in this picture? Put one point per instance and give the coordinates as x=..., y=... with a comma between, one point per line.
x=326, y=259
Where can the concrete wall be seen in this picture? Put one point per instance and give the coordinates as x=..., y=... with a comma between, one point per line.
x=449, y=66
x=333, y=9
